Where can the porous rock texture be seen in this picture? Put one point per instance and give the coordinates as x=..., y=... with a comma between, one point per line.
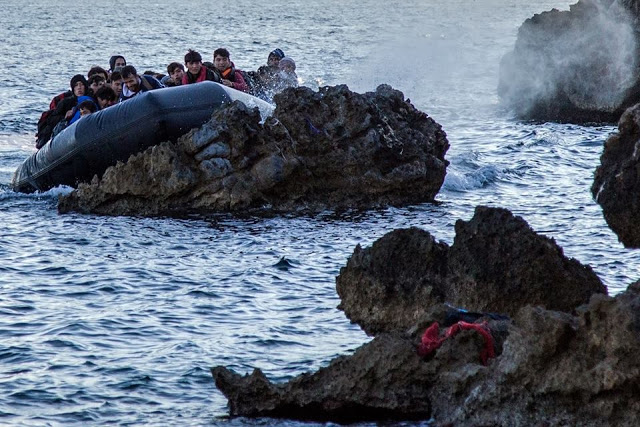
x=326, y=149
x=578, y=366
x=497, y=263
x=575, y=66
x=616, y=185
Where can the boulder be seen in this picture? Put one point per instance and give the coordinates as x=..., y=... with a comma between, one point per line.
x=575, y=66
x=616, y=185
x=573, y=365
x=330, y=149
x=497, y=263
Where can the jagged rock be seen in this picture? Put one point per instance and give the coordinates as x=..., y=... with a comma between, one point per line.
x=616, y=185
x=554, y=369
x=578, y=66
x=497, y=263
x=578, y=366
x=327, y=149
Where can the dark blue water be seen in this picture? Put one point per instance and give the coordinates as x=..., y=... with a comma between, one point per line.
x=116, y=321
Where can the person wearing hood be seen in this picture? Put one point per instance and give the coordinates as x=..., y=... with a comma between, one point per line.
x=226, y=70
x=116, y=62
x=196, y=71
x=288, y=76
x=60, y=110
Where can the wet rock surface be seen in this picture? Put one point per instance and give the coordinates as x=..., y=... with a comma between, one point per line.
x=330, y=149
x=575, y=366
x=575, y=66
x=616, y=185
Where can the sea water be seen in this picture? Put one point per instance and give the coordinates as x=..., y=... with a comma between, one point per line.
x=117, y=321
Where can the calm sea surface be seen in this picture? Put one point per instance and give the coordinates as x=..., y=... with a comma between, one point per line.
x=116, y=321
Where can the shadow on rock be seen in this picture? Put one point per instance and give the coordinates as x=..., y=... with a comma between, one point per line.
x=330, y=149
x=565, y=355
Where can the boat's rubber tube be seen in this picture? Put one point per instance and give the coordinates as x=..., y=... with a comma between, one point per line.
x=92, y=144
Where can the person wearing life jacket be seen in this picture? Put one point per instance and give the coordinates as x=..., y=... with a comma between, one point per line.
x=135, y=84
x=196, y=72
x=59, y=107
x=227, y=71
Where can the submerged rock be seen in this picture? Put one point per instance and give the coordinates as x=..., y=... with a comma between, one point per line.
x=616, y=185
x=577, y=66
x=572, y=367
x=328, y=149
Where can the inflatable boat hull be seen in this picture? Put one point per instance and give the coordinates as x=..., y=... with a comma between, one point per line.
x=90, y=145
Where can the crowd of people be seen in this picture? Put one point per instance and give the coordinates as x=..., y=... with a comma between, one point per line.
x=102, y=88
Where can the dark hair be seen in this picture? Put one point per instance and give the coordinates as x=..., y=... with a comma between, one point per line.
x=88, y=105
x=221, y=52
x=106, y=92
x=172, y=67
x=96, y=78
x=128, y=70
x=278, y=53
x=116, y=75
x=112, y=61
x=97, y=70
x=192, y=56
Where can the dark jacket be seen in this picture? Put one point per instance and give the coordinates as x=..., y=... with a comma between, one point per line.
x=147, y=83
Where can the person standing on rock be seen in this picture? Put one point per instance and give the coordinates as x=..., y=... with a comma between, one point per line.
x=135, y=84
x=196, y=72
x=226, y=70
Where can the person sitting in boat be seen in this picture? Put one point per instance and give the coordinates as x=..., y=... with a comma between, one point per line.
x=60, y=106
x=226, y=70
x=116, y=63
x=262, y=82
x=196, y=72
x=175, y=72
x=287, y=75
x=116, y=83
x=96, y=81
x=135, y=84
x=87, y=107
x=105, y=96
x=97, y=70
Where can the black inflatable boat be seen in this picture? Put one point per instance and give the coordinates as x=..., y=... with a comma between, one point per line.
x=90, y=145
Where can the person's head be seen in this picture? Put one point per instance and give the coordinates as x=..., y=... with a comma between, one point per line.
x=97, y=70
x=193, y=61
x=79, y=85
x=96, y=81
x=287, y=64
x=105, y=96
x=86, y=108
x=175, y=70
x=116, y=82
x=221, y=59
x=130, y=78
x=116, y=62
x=274, y=57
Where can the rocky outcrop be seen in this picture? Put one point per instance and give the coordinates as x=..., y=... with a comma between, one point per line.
x=577, y=66
x=328, y=149
x=616, y=185
x=572, y=367
x=497, y=263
